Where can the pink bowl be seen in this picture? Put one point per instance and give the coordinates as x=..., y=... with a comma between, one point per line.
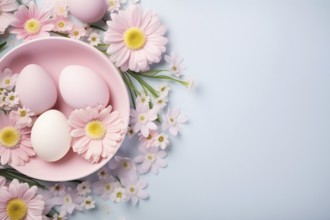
x=53, y=54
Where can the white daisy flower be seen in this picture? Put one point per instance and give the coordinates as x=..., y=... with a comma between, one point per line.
x=113, y=5
x=175, y=64
x=94, y=39
x=103, y=173
x=135, y=191
x=62, y=24
x=77, y=32
x=57, y=189
x=142, y=119
x=142, y=99
x=173, y=121
x=88, y=203
x=160, y=102
x=84, y=188
x=22, y=116
x=105, y=187
x=11, y=99
x=150, y=159
x=8, y=79
x=164, y=90
x=161, y=141
x=118, y=195
x=124, y=168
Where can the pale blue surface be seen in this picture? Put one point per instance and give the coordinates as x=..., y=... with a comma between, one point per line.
x=258, y=144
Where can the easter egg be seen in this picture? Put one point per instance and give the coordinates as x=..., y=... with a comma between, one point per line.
x=81, y=87
x=88, y=11
x=36, y=89
x=50, y=136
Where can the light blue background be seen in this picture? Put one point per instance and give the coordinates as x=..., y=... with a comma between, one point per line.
x=257, y=145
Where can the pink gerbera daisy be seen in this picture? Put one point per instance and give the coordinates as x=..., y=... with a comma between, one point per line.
x=18, y=201
x=15, y=144
x=136, y=39
x=31, y=23
x=96, y=132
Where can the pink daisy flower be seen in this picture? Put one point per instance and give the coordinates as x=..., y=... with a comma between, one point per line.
x=96, y=132
x=6, y=18
x=31, y=23
x=136, y=39
x=15, y=144
x=18, y=201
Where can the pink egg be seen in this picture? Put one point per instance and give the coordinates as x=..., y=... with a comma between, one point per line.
x=88, y=11
x=81, y=87
x=36, y=89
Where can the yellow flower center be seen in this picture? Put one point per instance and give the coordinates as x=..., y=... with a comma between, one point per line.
x=32, y=26
x=22, y=113
x=161, y=139
x=134, y=38
x=61, y=24
x=150, y=157
x=111, y=3
x=142, y=118
x=174, y=68
x=16, y=209
x=108, y=187
x=95, y=130
x=9, y=137
x=119, y=194
x=149, y=137
x=68, y=199
x=7, y=81
x=126, y=165
x=132, y=189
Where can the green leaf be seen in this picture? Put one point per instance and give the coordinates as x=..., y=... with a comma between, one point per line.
x=97, y=27
x=3, y=45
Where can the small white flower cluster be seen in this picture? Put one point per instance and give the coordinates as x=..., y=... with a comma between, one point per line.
x=64, y=25
x=67, y=200
x=9, y=100
x=153, y=135
x=122, y=185
x=8, y=97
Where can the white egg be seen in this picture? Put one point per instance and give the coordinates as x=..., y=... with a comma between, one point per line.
x=50, y=136
x=81, y=87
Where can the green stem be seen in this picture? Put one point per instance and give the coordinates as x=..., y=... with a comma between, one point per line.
x=13, y=174
x=97, y=27
x=186, y=84
x=136, y=91
x=103, y=45
x=129, y=88
x=144, y=84
x=61, y=34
